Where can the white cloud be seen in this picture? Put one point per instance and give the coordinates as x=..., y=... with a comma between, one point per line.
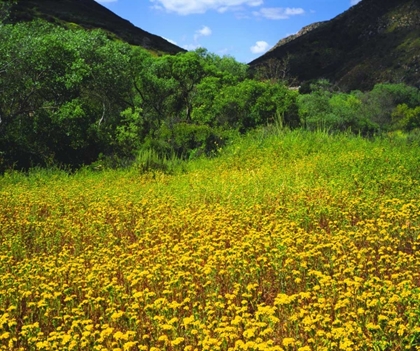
x=260, y=47
x=278, y=13
x=354, y=2
x=187, y=7
x=203, y=32
x=170, y=40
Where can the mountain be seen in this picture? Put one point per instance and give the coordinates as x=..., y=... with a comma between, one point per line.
x=89, y=14
x=374, y=41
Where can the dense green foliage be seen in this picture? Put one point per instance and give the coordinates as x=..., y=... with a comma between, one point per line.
x=68, y=96
x=75, y=97
x=386, y=108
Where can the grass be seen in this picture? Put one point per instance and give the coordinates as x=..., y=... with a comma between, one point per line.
x=287, y=241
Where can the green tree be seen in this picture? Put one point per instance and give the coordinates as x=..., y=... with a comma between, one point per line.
x=154, y=86
x=37, y=81
x=221, y=73
x=188, y=70
x=314, y=108
x=250, y=103
x=334, y=111
x=406, y=118
x=62, y=92
x=207, y=91
x=129, y=131
x=380, y=103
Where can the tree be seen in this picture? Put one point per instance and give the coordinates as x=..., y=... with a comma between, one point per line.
x=276, y=70
x=154, y=85
x=207, y=91
x=62, y=92
x=406, y=118
x=314, y=108
x=35, y=82
x=380, y=103
x=188, y=70
x=250, y=103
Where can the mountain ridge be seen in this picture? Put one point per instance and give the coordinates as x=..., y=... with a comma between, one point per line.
x=374, y=41
x=90, y=15
x=304, y=30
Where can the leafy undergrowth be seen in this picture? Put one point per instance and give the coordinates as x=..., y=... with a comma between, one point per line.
x=298, y=241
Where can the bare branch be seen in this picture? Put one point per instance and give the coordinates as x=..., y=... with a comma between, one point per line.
x=103, y=114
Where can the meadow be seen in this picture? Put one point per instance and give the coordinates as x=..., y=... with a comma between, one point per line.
x=291, y=241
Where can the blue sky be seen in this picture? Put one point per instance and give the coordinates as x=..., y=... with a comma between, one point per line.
x=244, y=29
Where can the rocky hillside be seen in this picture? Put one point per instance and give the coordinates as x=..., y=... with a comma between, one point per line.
x=374, y=41
x=89, y=14
x=303, y=31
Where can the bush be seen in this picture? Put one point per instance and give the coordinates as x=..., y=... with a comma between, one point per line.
x=379, y=104
x=406, y=118
x=188, y=141
x=364, y=113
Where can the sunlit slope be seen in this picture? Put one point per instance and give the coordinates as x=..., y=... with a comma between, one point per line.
x=291, y=242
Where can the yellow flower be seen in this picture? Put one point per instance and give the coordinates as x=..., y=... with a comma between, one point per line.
x=177, y=341
x=288, y=342
x=106, y=332
x=120, y=336
x=42, y=344
x=117, y=315
x=188, y=320
x=4, y=336
x=372, y=326
x=167, y=327
x=129, y=345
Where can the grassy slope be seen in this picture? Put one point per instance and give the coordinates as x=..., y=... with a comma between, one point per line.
x=294, y=241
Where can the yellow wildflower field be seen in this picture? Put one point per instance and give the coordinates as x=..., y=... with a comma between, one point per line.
x=295, y=242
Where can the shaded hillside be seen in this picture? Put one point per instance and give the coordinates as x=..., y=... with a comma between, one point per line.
x=89, y=14
x=374, y=41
